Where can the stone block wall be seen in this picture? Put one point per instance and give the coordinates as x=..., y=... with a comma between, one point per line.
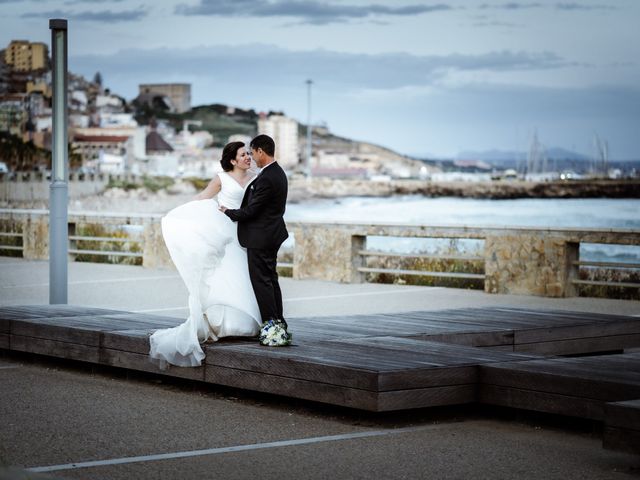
x=530, y=265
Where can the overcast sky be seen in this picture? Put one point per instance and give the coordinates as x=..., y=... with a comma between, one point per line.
x=424, y=78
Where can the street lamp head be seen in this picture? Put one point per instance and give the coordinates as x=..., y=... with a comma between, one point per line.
x=57, y=24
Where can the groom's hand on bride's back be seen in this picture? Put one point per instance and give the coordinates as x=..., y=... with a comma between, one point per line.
x=222, y=208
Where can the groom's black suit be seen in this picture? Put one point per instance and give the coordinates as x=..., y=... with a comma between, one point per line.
x=261, y=230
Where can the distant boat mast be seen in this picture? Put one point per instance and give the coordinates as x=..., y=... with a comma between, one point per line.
x=537, y=157
x=601, y=157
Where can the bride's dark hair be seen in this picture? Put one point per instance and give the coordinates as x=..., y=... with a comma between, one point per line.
x=229, y=153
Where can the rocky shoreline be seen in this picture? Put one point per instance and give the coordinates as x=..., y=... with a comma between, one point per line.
x=304, y=189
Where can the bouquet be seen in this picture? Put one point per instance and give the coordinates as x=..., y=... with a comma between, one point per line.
x=273, y=333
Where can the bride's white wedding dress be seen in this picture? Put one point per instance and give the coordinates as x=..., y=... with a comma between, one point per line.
x=203, y=244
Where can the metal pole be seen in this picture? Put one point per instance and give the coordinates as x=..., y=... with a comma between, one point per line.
x=58, y=193
x=309, y=128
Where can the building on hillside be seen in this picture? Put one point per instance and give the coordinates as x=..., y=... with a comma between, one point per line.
x=42, y=85
x=109, y=103
x=4, y=74
x=284, y=131
x=136, y=133
x=160, y=157
x=240, y=137
x=93, y=147
x=13, y=113
x=115, y=120
x=37, y=104
x=24, y=56
x=178, y=93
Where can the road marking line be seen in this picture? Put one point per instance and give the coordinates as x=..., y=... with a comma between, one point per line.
x=13, y=264
x=362, y=294
x=215, y=451
x=110, y=280
x=160, y=309
x=7, y=367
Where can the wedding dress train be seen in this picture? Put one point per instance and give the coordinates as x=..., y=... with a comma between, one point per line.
x=203, y=245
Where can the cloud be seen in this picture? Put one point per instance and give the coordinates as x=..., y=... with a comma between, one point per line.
x=309, y=12
x=577, y=6
x=234, y=65
x=75, y=2
x=558, y=6
x=106, y=16
x=510, y=6
x=495, y=23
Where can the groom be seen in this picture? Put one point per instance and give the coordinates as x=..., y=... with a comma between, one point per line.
x=261, y=228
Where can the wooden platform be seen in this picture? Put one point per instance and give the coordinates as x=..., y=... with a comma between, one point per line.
x=375, y=362
x=579, y=387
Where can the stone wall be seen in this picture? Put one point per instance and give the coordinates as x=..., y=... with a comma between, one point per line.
x=530, y=265
x=33, y=186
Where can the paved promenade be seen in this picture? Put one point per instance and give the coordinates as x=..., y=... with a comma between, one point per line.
x=70, y=421
x=162, y=292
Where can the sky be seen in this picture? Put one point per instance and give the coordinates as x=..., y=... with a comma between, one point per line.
x=426, y=78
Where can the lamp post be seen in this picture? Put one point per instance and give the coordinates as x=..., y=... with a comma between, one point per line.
x=309, y=128
x=58, y=189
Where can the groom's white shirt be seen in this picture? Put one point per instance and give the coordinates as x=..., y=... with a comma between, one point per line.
x=266, y=166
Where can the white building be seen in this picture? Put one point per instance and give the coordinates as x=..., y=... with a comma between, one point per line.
x=240, y=137
x=284, y=131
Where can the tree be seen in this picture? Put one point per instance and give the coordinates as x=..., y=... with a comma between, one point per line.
x=97, y=79
x=22, y=156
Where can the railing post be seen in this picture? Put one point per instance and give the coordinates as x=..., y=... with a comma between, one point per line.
x=328, y=254
x=35, y=237
x=154, y=250
x=572, y=255
x=73, y=243
x=529, y=264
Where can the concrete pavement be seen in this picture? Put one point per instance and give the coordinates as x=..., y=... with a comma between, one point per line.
x=162, y=292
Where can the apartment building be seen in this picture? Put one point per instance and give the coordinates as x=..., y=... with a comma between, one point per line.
x=284, y=131
x=24, y=56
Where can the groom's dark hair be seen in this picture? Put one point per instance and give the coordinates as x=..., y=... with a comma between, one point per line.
x=229, y=153
x=266, y=143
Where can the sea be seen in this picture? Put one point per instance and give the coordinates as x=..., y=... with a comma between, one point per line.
x=453, y=211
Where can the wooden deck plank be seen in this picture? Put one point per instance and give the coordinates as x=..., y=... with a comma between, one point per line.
x=604, y=367
x=142, y=363
x=541, y=401
x=293, y=388
x=563, y=383
x=546, y=334
x=22, y=312
x=472, y=339
x=54, y=348
x=438, y=353
x=293, y=366
x=605, y=343
x=423, y=397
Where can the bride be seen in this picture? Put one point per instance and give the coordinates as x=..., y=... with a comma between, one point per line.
x=203, y=245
